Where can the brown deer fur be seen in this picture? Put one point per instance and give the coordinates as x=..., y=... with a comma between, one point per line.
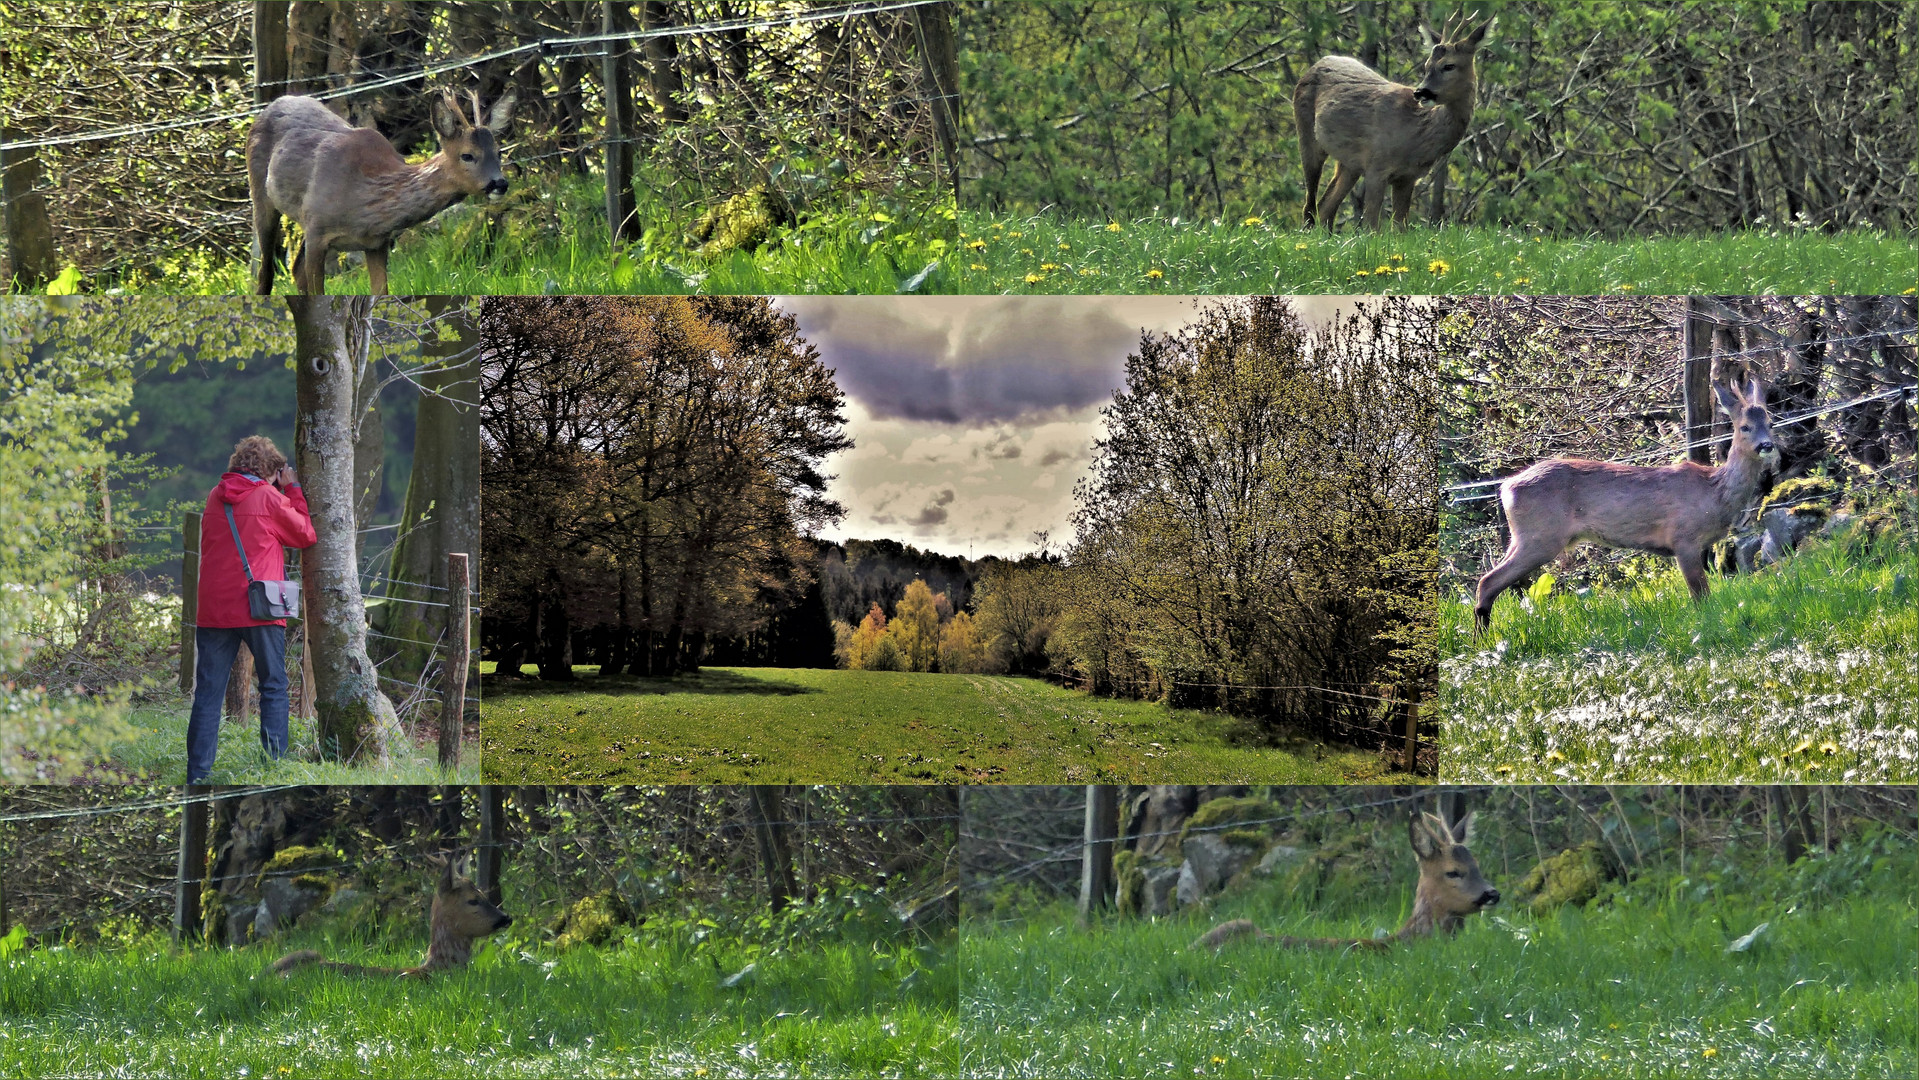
x=462, y=915
x=1678, y=510
x=1383, y=130
x=349, y=190
x=1450, y=888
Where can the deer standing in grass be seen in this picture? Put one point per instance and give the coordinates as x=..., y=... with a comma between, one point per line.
x=1384, y=130
x=462, y=915
x=1450, y=888
x=1678, y=510
x=349, y=190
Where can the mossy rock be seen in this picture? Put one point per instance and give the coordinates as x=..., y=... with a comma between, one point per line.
x=1129, y=882
x=1573, y=876
x=1812, y=495
x=1232, y=810
x=741, y=223
x=1334, y=868
x=592, y=920
x=300, y=859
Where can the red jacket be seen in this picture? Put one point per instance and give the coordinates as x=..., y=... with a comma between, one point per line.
x=267, y=521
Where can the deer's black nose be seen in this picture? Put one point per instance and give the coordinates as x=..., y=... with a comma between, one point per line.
x=1764, y=447
x=1489, y=898
x=496, y=187
x=1423, y=94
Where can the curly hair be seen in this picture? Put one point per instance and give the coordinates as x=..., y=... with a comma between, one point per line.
x=256, y=455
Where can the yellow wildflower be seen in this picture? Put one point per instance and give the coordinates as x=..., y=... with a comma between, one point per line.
x=1033, y=279
x=1112, y=226
x=1829, y=748
x=976, y=266
x=1299, y=247
x=1252, y=221
x=1048, y=266
x=1155, y=273
x=977, y=245
x=1439, y=266
x=1361, y=273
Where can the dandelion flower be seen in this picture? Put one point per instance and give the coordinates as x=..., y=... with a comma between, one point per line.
x=976, y=266
x=1217, y=1060
x=1383, y=270
x=1091, y=271
x=1025, y=251
x=1828, y=748
x=1710, y=1051
x=1805, y=744
x=1014, y=235
x=1252, y=221
x=1034, y=279
x=977, y=245
x=1155, y=273
x=1522, y=281
x=1439, y=266
x=1112, y=226
x=1045, y=267
x=1361, y=273
x=1064, y=247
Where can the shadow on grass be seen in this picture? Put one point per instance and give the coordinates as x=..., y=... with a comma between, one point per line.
x=495, y=688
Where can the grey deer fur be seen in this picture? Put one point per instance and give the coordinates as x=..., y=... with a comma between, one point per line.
x=351, y=191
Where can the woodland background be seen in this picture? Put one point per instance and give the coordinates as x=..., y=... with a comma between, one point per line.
x=1611, y=118
x=827, y=117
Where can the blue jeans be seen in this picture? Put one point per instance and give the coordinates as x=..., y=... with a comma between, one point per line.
x=214, y=649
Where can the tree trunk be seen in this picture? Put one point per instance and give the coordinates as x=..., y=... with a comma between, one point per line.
x=662, y=62
x=29, y=230
x=769, y=829
x=355, y=722
x=442, y=493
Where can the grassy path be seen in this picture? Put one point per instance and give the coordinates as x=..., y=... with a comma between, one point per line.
x=799, y=725
x=1634, y=989
x=1801, y=673
x=1048, y=254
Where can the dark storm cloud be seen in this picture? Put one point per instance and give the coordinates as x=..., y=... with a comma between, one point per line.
x=934, y=512
x=969, y=360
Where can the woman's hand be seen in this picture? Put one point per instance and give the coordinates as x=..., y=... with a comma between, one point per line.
x=284, y=478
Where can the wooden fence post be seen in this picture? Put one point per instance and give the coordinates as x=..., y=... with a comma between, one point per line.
x=492, y=821
x=189, y=596
x=621, y=220
x=1411, y=760
x=1096, y=863
x=29, y=230
x=193, y=864
x=1698, y=382
x=459, y=630
x=269, y=50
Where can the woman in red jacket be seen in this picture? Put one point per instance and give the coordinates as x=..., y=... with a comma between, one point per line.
x=269, y=513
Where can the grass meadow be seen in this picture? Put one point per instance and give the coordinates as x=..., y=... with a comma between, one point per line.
x=1802, y=672
x=691, y=1002
x=554, y=241
x=816, y=726
x=156, y=751
x=1647, y=984
x=1049, y=253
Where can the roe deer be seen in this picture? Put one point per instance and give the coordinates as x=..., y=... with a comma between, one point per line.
x=1381, y=130
x=462, y=915
x=351, y=191
x=1678, y=510
x=1450, y=888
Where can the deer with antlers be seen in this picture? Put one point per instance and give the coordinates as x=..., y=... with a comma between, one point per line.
x=1385, y=131
x=1678, y=510
x=1450, y=888
x=350, y=190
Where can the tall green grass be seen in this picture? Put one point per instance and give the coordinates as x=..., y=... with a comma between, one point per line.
x=156, y=751
x=812, y=726
x=1642, y=986
x=656, y=1005
x=555, y=241
x=1050, y=253
x=1802, y=672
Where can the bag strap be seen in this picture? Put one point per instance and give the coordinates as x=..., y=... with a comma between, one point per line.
x=242, y=548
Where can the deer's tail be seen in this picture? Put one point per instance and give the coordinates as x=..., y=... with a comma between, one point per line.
x=1227, y=932
x=294, y=961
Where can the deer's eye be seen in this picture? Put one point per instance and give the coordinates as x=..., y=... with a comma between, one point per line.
x=1449, y=67
x=1745, y=427
x=1452, y=873
x=466, y=157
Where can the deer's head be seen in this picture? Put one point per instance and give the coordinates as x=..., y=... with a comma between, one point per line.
x=471, y=147
x=1449, y=77
x=464, y=906
x=1751, y=425
x=1449, y=876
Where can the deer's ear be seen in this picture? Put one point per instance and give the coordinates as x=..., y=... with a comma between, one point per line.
x=1755, y=391
x=501, y=114
x=447, y=121
x=446, y=873
x=1728, y=399
x=1427, y=40
x=1420, y=831
x=1473, y=39
x=1462, y=827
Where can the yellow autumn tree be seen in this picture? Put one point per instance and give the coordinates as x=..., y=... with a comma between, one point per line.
x=915, y=628
x=962, y=649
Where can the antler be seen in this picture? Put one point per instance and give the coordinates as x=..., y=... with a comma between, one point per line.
x=1457, y=24
x=478, y=120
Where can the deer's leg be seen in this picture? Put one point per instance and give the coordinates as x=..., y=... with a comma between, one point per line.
x=266, y=236
x=1692, y=564
x=1344, y=177
x=313, y=264
x=1402, y=201
x=376, y=270
x=1522, y=558
x=1372, y=200
x=1312, y=157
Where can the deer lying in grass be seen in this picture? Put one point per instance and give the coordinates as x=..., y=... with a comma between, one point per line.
x=462, y=915
x=1382, y=130
x=349, y=190
x=1450, y=888
x=1678, y=510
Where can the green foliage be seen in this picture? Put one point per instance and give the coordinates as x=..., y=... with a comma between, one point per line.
x=742, y=223
x=1054, y=252
x=1573, y=876
x=1215, y=814
x=1800, y=673
x=591, y=920
x=784, y=725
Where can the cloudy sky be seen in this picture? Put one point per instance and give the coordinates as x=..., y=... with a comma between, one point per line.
x=973, y=416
